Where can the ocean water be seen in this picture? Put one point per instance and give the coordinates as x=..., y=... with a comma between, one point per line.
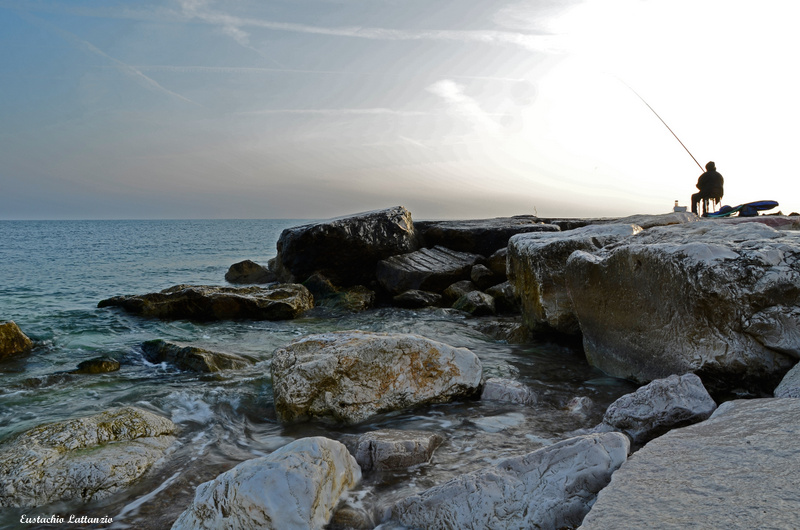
x=53, y=274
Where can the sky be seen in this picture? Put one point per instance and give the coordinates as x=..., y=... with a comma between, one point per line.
x=311, y=109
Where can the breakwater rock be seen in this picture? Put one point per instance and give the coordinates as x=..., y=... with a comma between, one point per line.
x=192, y=358
x=388, y=449
x=13, y=341
x=350, y=376
x=206, y=303
x=297, y=486
x=248, y=271
x=85, y=458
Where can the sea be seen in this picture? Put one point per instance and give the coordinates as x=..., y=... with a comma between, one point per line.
x=54, y=273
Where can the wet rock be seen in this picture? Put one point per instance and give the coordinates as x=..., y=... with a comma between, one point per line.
x=717, y=299
x=356, y=298
x=351, y=376
x=646, y=221
x=248, y=271
x=98, y=365
x=506, y=298
x=580, y=406
x=13, y=341
x=660, y=406
x=553, y=487
x=509, y=331
x=428, y=269
x=537, y=267
x=206, y=303
x=347, y=249
x=351, y=518
x=508, y=390
x=497, y=263
x=83, y=459
x=297, y=486
x=737, y=469
x=456, y=290
x=478, y=236
x=789, y=386
x=415, y=299
x=476, y=303
x=192, y=358
x=482, y=276
x=389, y=449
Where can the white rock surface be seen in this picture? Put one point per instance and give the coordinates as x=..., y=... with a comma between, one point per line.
x=553, y=487
x=789, y=386
x=350, y=376
x=500, y=389
x=296, y=487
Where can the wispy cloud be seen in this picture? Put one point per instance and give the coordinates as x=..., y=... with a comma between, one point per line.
x=340, y=112
x=464, y=106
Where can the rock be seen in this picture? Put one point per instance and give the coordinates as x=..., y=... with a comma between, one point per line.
x=356, y=298
x=497, y=263
x=81, y=459
x=476, y=303
x=660, y=406
x=389, y=449
x=426, y=270
x=478, y=236
x=508, y=390
x=456, y=290
x=511, y=332
x=206, y=303
x=505, y=296
x=553, y=487
x=737, y=469
x=192, y=358
x=345, y=249
x=716, y=299
x=580, y=406
x=789, y=386
x=351, y=518
x=297, y=486
x=482, y=276
x=537, y=265
x=249, y=272
x=415, y=299
x=13, y=341
x=351, y=376
x=649, y=221
x=98, y=365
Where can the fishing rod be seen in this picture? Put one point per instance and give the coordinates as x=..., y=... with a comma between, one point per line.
x=665, y=124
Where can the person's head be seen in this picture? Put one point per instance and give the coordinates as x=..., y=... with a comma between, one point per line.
x=711, y=166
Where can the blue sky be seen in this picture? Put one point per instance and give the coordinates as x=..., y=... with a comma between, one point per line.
x=319, y=108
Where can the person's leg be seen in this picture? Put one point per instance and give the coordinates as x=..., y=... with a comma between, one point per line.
x=695, y=201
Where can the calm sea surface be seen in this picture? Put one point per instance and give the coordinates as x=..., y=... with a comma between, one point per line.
x=53, y=273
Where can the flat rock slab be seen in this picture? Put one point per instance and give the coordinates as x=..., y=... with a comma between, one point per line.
x=192, y=358
x=478, y=236
x=85, y=458
x=208, y=303
x=13, y=341
x=737, y=469
x=350, y=376
x=428, y=269
x=388, y=449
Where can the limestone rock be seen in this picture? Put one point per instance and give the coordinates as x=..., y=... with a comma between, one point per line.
x=476, y=303
x=414, y=298
x=537, y=268
x=456, y=290
x=351, y=376
x=646, y=221
x=206, y=303
x=497, y=263
x=737, y=469
x=506, y=298
x=248, y=271
x=297, y=486
x=13, y=341
x=553, y=487
x=660, y=406
x=85, y=458
x=482, y=276
x=389, y=449
x=428, y=269
x=345, y=249
x=98, y=365
x=355, y=298
x=789, y=386
x=712, y=298
x=500, y=389
x=478, y=236
x=192, y=358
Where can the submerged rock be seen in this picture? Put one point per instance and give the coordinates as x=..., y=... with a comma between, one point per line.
x=206, y=303
x=192, y=358
x=297, y=486
x=389, y=449
x=737, y=469
x=345, y=249
x=478, y=236
x=249, y=272
x=508, y=390
x=351, y=376
x=428, y=269
x=85, y=459
x=553, y=487
x=13, y=341
x=98, y=365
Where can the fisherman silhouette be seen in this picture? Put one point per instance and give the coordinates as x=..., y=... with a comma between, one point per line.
x=710, y=186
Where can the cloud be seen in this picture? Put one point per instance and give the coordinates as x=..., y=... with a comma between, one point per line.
x=464, y=106
x=340, y=112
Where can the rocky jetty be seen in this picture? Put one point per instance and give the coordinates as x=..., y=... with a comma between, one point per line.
x=13, y=341
x=553, y=487
x=297, y=486
x=85, y=458
x=248, y=271
x=207, y=303
x=349, y=377
x=389, y=449
x=428, y=269
x=478, y=236
x=738, y=469
x=192, y=358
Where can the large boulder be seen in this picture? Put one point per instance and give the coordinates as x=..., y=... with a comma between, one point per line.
x=737, y=469
x=478, y=236
x=206, y=303
x=553, y=487
x=297, y=486
x=789, y=386
x=81, y=459
x=388, y=449
x=345, y=249
x=660, y=406
x=350, y=376
x=428, y=269
x=13, y=341
x=721, y=300
x=192, y=358
x=248, y=271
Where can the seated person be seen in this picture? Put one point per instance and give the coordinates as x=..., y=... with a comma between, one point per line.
x=710, y=186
